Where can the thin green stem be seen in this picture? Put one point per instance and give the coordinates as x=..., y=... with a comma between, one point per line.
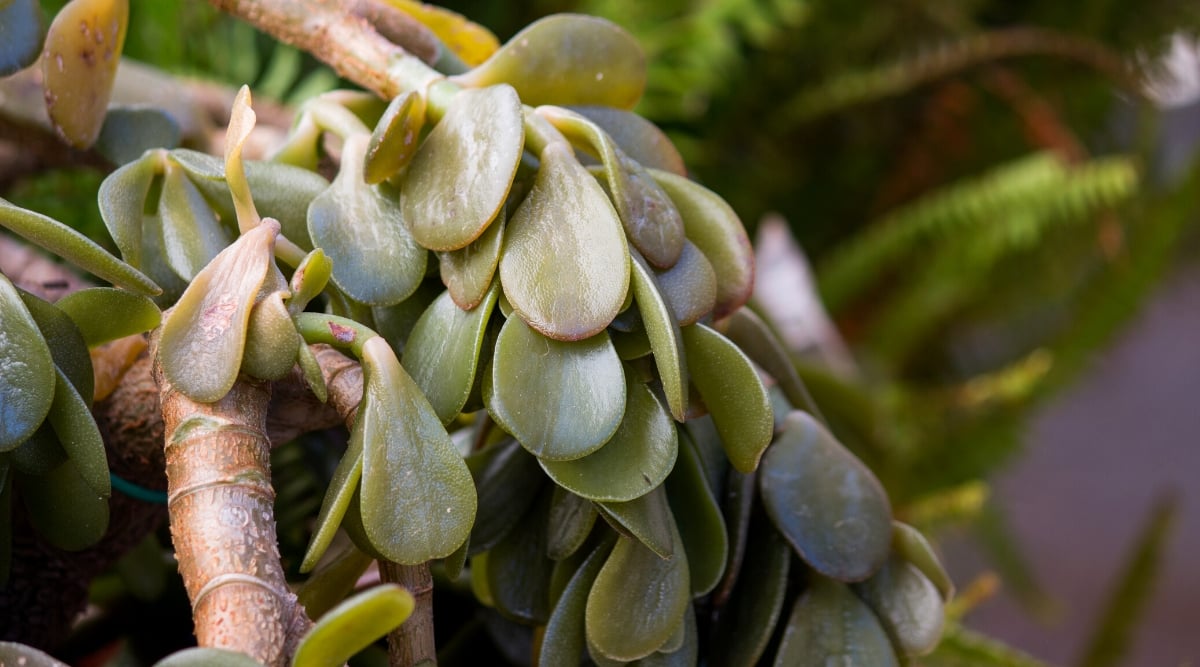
x=340, y=332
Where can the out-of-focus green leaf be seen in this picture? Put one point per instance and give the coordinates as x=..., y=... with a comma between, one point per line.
x=122, y=200
x=394, y=140
x=333, y=581
x=103, y=314
x=39, y=454
x=64, y=508
x=459, y=178
x=560, y=400
x=128, y=132
x=830, y=623
x=12, y=653
x=565, y=265
x=81, y=54
x=518, y=569
x=207, y=657
x=73, y=247
x=665, y=338
x=745, y=623
x=685, y=654
x=442, y=352
x=204, y=337
x=701, y=526
x=353, y=625
x=26, y=370
x=508, y=480
x=570, y=522
x=907, y=604
x=375, y=259
x=825, y=501
x=734, y=394
x=911, y=545
x=633, y=462
x=568, y=59
x=20, y=35
x=418, y=501
x=638, y=137
x=638, y=600
x=745, y=328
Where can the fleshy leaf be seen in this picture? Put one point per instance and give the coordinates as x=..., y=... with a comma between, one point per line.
x=825, y=501
x=633, y=462
x=712, y=225
x=470, y=41
x=128, y=132
x=698, y=516
x=19, y=654
x=26, y=370
x=333, y=581
x=191, y=232
x=564, y=641
x=690, y=286
x=745, y=624
x=734, y=394
x=467, y=272
x=103, y=313
x=207, y=656
x=568, y=59
x=459, y=178
x=71, y=418
x=565, y=265
x=907, y=604
x=682, y=651
x=79, y=64
x=911, y=545
x=830, y=624
x=638, y=137
x=518, y=570
x=309, y=279
x=570, y=522
x=74, y=247
x=241, y=122
x=272, y=342
x=442, y=352
x=64, y=508
x=360, y=226
x=666, y=340
x=560, y=400
x=20, y=35
x=204, y=336
x=647, y=518
x=418, y=501
x=395, y=139
x=338, y=496
x=67, y=347
x=39, y=454
x=122, y=200
x=508, y=481
x=354, y=625
x=745, y=328
x=638, y=600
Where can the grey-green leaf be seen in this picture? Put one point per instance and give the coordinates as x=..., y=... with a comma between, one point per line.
x=20, y=35
x=26, y=370
x=825, y=501
x=690, y=286
x=907, y=604
x=647, y=519
x=698, y=516
x=66, y=343
x=71, y=418
x=560, y=400
x=12, y=653
x=103, y=313
x=569, y=524
x=564, y=640
x=418, y=500
x=638, y=137
x=122, y=200
x=128, y=132
x=665, y=338
x=458, y=180
x=354, y=625
x=64, y=508
x=829, y=625
x=207, y=657
x=637, y=458
x=911, y=545
x=191, y=232
x=734, y=394
x=467, y=272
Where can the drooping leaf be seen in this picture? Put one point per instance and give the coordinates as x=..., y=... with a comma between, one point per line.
x=647, y=519
x=353, y=625
x=74, y=247
x=20, y=35
x=745, y=623
x=569, y=524
x=507, y=480
x=103, y=314
x=712, y=225
x=518, y=569
x=665, y=338
x=204, y=336
x=63, y=507
x=560, y=400
x=907, y=604
x=638, y=599
x=699, y=519
x=360, y=226
x=394, y=140
x=649, y=218
x=71, y=418
x=565, y=265
x=745, y=328
x=829, y=623
x=459, y=178
x=191, y=232
x=418, y=501
x=568, y=59
x=467, y=272
x=79, y=64
x=26, y=370
x=207, y=656
x=690, y=286
x=564, y=641
x=825, y=501
x=638, y=137
x=128, y=132
x=442, y=352
x=12, y=653
x=633, y=462
x=734, y=394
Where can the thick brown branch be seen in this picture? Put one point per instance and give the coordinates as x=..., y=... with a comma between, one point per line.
x=412, y=643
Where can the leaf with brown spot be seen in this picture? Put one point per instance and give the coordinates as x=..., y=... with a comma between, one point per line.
x=79, y=64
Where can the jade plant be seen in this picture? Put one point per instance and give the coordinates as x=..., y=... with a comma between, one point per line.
x=531, y=324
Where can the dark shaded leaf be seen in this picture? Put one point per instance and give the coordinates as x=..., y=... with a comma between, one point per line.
x=744, y=624
x=647, y=519
x=564, y=640
x=907, y=604
x=829, y=624
x=701, y=526
x=20, y=35
x=63, y=507
x=569, y=524
x=507, y=480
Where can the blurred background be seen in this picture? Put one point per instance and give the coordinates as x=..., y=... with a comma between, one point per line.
x=999, y=203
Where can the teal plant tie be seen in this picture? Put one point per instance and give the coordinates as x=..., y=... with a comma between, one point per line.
x=138, y=492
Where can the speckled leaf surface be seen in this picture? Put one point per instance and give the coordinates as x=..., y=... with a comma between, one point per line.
x=830, y=625
x=66, y=343
x=79, y=64
x=825, y=501
x=666, y=340
x=71, y=418
x=64, y=508
x=27, y=374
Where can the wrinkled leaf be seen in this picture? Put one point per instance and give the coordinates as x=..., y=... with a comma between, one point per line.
x=699, y=519
x=191, y=232
x=354, y=625
x=518, y=569
x=734, y=394
x=74, y=247
x=712, y=225
x=638, y=137
x=565, y=265
x=690, y=286
x=63, y=507
x=637, y=458
x=638, y=600
x=26, y=370
x=647, y=519
x=568, y=59
x=560, y=400
x=375, y=259
x=459, y=178
x=20, y=35
x=128, y=132
x=508, y=480
x=825, y=501
x=442, y=352
x=79, y=64
x=418, y=501
x=207, y=657
x=830, y=624
x=394, y=140
x=204, y=336
x=907, y=604
x=564, y=640
x=467, y=272
x=569, y=524
x=665, y=338
x=746, y=622
x=911, y=545
x=93, y=312
x=12, y=653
